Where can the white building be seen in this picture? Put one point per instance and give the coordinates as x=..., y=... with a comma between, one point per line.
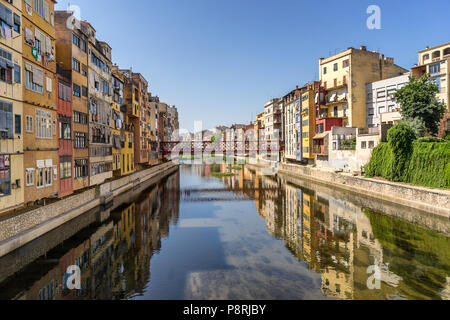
x=381, y=107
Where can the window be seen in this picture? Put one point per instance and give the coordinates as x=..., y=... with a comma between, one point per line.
x=76, y=90
x=65, y=167
x=84, y=91
x=17, y=74
x=5, y=175
x=18, y=124
x=81, y=169
x=34, y=78
x=435, y=69
x=345, y=63
x=43, y=124
x=76, y=65
x=84, y=70
x=381, y=94
x=64, y=91
x=363, y=145
x=76, y=40
x=29, y=177
x=371, y=144
x=105, y=87
x=6, y=66
x=437, y=81
x=6, y=120
x=29, y=124
x=79, y=117
x=83, y=45
x=65, y=128
x=336, y=112
x=335, y=67
x=80, y=141
x=325, y=70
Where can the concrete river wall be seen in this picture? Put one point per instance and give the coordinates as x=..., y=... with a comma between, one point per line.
x=19, y=230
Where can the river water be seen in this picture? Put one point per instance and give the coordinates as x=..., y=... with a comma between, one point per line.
x=200, y=235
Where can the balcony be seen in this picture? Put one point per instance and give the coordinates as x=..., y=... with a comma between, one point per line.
x=320, y=150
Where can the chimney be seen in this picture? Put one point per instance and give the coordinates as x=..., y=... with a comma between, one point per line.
x=427, y=47
x=363, y=48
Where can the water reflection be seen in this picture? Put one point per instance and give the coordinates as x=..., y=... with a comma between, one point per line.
x=242, y=236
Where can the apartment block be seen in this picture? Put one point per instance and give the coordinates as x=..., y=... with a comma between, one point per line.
x=72, y=64
x=436, y=62
x=40, y=115
x=288, y=104
x=307, y=121
x=12, y=181
x=100, y=110
x=153, y=102
x=381, y=105
x=65, y=135
x=136, y=101
x=123, y=132
x=344, y=77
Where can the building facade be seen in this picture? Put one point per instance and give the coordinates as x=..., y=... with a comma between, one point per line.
x=39, y=95
x=344, y=77
x=72, y=63
x=381, y=105
x=153, y=121
x=65, y=144
x=100, y=110
x=12, y=181
x=436, y=62
x=307, y=119
x=288, y=104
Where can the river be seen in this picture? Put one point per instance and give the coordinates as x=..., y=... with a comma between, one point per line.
x=199, y=234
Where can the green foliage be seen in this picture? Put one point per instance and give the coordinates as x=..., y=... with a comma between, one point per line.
x=400, y=140
x=418, y=101
x=424, y=162
x=417, y=125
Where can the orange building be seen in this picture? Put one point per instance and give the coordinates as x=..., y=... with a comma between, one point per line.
x=39, y=100
x=72, y=62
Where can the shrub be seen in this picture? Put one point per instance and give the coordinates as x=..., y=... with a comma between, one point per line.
x=400, y=140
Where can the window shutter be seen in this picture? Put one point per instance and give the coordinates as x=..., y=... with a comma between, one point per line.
x=49, y=84
x=46, y=11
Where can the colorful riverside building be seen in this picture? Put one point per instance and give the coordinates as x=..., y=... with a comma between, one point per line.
x=65, y=125
x=340, y=104
x=12, y=181
x=72, y=63
x=100, y=111
x=39, y=101
x=307, y=119
x=154, y=138
x=436, y=62
x=135, y=101
x=123, y=132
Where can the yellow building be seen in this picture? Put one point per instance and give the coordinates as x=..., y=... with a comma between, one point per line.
x=11, y=109
x=436, y=62
x=308, y=120
x=40, y=132
x=356, y=67
x=123, y=130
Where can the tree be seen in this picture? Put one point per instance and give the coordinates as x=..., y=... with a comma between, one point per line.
x=418, y=101
x=417, y=125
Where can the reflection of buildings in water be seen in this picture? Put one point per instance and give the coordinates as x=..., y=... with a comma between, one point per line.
x=114, y=258
x=292, y=220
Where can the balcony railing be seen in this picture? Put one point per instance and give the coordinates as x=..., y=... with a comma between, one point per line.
x=320, y=150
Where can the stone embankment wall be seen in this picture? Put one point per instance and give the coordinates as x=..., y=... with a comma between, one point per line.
x=25, y=227
x=434, y=201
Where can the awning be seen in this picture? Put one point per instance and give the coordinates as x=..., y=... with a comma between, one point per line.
x=321, y=135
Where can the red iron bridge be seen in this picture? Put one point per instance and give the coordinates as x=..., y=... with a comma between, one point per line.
x=206, y=147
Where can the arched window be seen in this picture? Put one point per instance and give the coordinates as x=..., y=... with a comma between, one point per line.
x=447, y=51
x=436, y=54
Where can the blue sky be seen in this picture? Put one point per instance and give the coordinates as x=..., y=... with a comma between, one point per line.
x=219, y=61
